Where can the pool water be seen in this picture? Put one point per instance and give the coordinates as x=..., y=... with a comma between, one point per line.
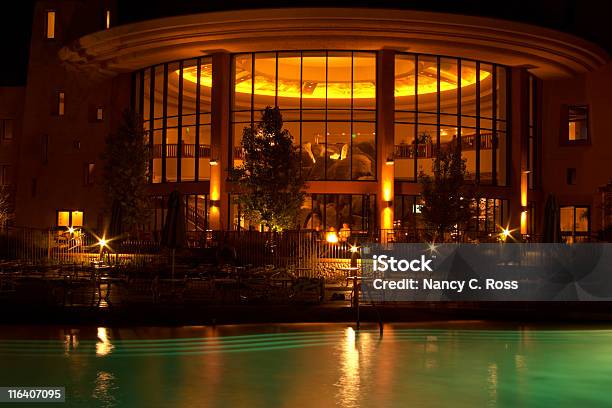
x=313, y=365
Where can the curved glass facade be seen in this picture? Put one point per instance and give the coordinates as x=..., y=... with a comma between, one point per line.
x=328, y=102
x=174, y=100
x=441, y=101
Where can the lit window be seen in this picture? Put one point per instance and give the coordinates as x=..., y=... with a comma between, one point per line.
x=574, y=223
x=6, y=129
x=107, y=19
x=69, y=218
x=99, y=114
x=63, y=218
x=77, y=218
x=50, y=24
x=61, y=106
x=578, y=123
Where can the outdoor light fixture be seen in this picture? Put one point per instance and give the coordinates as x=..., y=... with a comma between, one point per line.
x=505, y=233
x=213, y=162
x=102, y=242
x=354, y=249
x=71, y=230
x=390, y=161
x=215, y=203
x=331, y=236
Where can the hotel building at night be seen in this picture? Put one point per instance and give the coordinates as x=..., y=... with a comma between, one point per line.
x=368, y=95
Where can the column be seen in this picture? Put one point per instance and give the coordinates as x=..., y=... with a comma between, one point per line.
x=219, y=200
x=384, y=139
x=519, y=134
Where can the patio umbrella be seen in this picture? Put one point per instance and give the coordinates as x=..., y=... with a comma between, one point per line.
x=173, y=233
x=552, y=222
x=115, y=228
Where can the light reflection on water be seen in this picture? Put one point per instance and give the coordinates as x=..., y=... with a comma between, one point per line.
x=310, y=365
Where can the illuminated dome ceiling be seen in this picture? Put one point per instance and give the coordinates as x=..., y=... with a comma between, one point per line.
x=290, y=85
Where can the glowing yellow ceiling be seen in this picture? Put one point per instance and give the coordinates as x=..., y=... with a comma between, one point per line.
x=265, y=84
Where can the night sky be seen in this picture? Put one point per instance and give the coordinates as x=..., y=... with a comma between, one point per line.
x=590, y=19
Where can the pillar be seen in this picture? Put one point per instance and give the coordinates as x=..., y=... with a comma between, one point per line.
x=519, y=136
x=385, y=139
x=219, y=141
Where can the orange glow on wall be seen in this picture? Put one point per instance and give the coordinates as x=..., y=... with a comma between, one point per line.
x=523, y=222
x=265, y=84
x=524, y=186
x=387, y=218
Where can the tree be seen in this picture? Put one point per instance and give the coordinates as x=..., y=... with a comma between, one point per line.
x=270, y=179
x=6, y=206
x=126, y=160
x=448, y=200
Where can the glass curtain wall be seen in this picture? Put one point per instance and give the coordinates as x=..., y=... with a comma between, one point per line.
x=328, y=102
x=174, y=101
x=443, y=102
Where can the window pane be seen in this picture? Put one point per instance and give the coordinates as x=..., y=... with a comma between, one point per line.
x=578, y=123
x=77, y=218
x=289, y=80
x=364, y=80
x=426, y=142
x=364, y=151
x=190, y=84
x=404, y=151
x=468, y=89
x=449, y=83
x=313, y=149
x=486, y=92
x=265, y=82
x=339, y=80
x=567, y=219
x=173, y=94
x=242, y=82
x=427, y=84
x=405, y=82
x=63, y=218
x=338, y=153
x=582, y=219
x=313, y=80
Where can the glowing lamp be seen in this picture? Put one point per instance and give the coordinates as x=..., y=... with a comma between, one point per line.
x=102, y=242
x=213, y=162
x=505, y=233
x=354, y=249
x=71, y=230
x=331, y=236
x=390, y=162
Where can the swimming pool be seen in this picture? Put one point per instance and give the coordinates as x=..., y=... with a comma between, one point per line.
x=313, y=365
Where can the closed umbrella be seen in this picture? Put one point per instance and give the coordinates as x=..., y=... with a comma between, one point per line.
x=115, y=228
x=552, y=222
x=173, y=233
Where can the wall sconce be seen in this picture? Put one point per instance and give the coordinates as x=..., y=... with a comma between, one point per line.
x=389, y=203
x=215, y=203
x=213, y=162
x=390, y=161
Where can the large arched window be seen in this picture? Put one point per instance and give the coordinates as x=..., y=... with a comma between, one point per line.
x=328, y=102
x=442, y=101
x=174, y=100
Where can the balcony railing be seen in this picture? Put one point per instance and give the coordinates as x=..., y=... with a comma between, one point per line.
x=187, y=150
x=427, y=150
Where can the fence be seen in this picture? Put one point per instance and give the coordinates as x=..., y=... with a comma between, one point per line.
x=302, y=250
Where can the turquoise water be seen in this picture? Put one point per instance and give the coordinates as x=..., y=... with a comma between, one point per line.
x=313, y=365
